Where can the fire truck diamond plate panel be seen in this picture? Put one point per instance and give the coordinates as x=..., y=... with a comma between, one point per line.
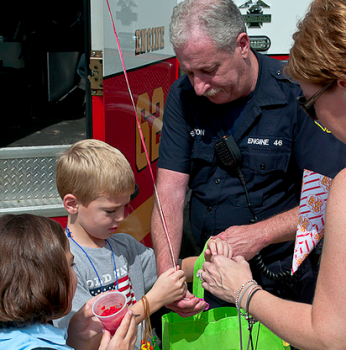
x=29, y=181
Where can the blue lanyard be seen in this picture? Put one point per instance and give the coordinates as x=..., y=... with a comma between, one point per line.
x=68, y=233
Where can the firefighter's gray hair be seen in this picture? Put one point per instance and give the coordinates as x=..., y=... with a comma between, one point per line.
x=220, y=20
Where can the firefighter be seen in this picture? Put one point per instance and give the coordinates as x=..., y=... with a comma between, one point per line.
x=236, y=100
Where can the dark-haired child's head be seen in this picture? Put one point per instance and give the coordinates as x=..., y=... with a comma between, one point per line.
x=37, y=281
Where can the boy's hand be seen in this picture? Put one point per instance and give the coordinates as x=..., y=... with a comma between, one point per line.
x=217, y=246
x=170, y=286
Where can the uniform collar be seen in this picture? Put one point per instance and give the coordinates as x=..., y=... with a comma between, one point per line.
x=272, y=93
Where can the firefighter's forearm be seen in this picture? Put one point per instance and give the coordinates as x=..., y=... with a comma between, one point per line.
x=163, y=250
x=171, y=189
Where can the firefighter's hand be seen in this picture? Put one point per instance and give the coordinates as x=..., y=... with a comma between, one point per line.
x=248, y=240
x=245, y=240
x=188, y=306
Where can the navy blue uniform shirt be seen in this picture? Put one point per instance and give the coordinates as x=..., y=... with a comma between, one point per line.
x=277, y=141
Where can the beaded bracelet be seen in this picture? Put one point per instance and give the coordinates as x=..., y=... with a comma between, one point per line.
x=241, y=293
x=240, y=289
x=238, y=304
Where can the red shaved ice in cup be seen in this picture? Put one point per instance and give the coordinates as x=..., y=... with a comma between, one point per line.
x=110, y=309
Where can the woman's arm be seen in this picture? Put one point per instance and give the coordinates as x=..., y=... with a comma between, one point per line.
x=318, y=326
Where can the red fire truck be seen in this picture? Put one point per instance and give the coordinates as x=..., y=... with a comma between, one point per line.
x=62, y=71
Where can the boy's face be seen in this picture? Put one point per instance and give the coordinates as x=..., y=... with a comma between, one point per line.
x=101, y=218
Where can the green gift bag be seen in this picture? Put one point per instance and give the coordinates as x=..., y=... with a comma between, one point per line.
x=213, y=329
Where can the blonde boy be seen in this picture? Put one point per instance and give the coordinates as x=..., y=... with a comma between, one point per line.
x=95, y=182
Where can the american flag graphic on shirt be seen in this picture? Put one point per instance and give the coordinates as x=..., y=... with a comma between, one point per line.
x=125, y=286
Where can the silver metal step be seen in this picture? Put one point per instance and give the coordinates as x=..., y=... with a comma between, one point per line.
x=27, y=180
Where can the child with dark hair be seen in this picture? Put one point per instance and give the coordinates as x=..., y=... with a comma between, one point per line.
x=37, y=285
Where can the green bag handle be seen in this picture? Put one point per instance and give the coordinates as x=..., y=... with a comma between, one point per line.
x=197, y=288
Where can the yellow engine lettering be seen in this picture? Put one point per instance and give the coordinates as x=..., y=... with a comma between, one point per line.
x=138, y=40
x=157, y=110
x=143, y=112
x=149, y=40
x=150, y=114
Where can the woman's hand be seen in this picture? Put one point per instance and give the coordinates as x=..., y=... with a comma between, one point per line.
x=124, y=337
x=223, y=276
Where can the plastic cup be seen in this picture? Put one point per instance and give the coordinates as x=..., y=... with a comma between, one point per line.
x=110, y=309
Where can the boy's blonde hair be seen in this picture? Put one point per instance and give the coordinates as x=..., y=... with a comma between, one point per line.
x=91, y=168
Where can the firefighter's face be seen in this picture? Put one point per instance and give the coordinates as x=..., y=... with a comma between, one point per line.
x=100, y=218
x=217, y=74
